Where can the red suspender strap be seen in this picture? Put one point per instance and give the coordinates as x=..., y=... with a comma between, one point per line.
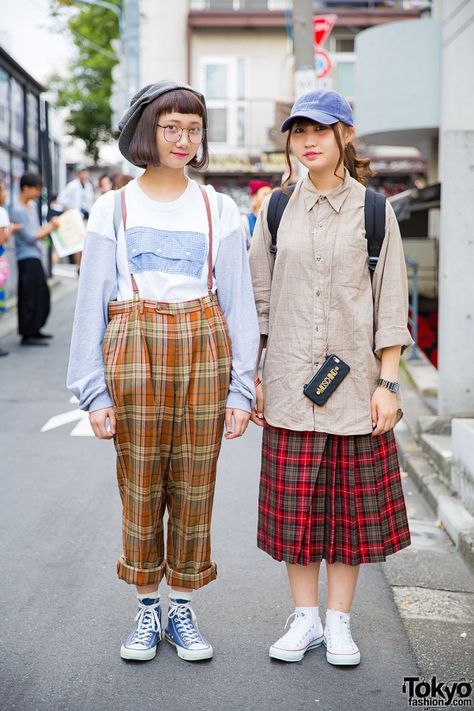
x=124, y=220
x=209, y=222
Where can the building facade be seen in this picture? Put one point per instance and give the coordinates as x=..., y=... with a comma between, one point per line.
x=25, y=140
x=239, y=53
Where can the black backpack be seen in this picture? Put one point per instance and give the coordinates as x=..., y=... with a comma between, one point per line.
x=374, y=213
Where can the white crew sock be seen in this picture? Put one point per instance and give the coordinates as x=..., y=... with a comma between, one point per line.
x=311, y=612
x=343, y=615
x=149, y=596
x=179, y=595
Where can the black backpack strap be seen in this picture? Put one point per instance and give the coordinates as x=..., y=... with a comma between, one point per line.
x=276, y=208
x=374, y=212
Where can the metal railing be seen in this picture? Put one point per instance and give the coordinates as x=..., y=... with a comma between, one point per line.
x=412, y=272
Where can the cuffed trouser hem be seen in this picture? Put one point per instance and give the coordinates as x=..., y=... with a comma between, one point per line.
x=191, y=581
x=140, y=576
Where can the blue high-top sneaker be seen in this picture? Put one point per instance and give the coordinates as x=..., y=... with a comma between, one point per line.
x=143, y=640
x=183, y=633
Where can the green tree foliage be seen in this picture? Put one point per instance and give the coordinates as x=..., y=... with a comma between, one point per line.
x=86, y=91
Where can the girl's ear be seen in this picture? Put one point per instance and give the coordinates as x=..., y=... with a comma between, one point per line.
x=349, y=133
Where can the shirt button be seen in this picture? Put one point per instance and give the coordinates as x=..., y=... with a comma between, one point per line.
x=317, y=328
x=188, y=254
x=318, y=293
x=318, y=259
x=321, y=223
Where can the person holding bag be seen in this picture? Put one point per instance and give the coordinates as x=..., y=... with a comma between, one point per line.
x=162, y=355
x=334, y=330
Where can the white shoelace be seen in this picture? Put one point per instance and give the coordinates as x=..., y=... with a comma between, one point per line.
x=342, y=633
x=299, y=617
x=148, y=623
x=185, y=624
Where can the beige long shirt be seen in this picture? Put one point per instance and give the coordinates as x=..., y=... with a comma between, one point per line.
x=316, y=297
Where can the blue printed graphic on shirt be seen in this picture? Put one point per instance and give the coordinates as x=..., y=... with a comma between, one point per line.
x=171, y=252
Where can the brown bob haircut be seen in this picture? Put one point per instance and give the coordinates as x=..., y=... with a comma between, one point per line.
x=143, y=150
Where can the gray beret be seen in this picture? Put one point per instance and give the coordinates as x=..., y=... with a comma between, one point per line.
x=141, y=99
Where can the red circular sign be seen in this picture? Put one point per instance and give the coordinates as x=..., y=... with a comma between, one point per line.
x=322, y=62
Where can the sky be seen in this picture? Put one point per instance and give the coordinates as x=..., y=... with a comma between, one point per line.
x=32, y=37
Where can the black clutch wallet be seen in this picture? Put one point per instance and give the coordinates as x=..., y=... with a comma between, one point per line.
x=329, y=376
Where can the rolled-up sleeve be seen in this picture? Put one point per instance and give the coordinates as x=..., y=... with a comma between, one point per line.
x=261, y=268
x=390, y=289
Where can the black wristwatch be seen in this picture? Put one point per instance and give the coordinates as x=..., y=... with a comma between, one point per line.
x=393, y=387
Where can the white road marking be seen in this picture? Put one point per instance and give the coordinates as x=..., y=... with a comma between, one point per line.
x=82, y=428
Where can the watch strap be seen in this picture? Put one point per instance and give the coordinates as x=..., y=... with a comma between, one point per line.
x=389, y=385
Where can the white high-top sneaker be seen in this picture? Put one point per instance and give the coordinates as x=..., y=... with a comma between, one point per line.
x=305, y=633
x=340, y=647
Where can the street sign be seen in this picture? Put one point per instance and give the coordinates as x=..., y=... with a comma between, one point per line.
x=322, y=62
x=322, y=26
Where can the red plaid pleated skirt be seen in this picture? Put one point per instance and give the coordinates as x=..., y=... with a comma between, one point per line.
x=332, y=497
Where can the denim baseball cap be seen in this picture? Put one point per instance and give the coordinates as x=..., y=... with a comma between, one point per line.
x=326, y=107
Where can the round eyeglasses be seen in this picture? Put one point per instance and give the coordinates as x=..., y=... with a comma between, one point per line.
x=173, y=133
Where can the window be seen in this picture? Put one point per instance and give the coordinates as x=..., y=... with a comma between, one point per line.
x=18, y=168
x=224, y=85
x=4, y=107
x=344, y=44
x=33, y=133
x=17, y=115
x=345, y=77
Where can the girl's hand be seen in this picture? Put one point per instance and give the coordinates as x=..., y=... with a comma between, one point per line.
x=384, y=411
x=241, y=420
x=98, y=420
x=257, y=412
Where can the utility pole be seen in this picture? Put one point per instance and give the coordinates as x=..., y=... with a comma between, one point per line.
x=305, y=71
x=131, y=45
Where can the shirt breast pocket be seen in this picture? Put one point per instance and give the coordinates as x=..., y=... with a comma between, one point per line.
x=170, y=252
x=352, y=264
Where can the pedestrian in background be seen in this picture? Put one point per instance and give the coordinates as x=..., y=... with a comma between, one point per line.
x=104, y=184
x=330, y=482
x=33, y=291
x=78, y=193
x=258, y=191
x=163, y=351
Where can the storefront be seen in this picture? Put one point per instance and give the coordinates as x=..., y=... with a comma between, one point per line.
x=25, y=144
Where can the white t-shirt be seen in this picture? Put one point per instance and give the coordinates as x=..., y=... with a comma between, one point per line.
x=4, y=219
x=166, y=247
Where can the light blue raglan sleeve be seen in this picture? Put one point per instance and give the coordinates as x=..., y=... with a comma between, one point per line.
x=235, y=294
x=97, y=286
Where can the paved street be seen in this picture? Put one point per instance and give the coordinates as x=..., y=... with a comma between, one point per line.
x=63, y=613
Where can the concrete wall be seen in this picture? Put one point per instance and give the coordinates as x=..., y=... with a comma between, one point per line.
x=462, y=471
x=397, y=99
x=456, y=284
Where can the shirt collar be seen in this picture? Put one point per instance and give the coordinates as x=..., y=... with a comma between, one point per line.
x=335, y=198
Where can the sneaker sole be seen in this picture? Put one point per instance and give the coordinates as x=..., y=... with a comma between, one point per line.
x=285, y=655
x=191, y=655
x=137, y=655
x=343, y=660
